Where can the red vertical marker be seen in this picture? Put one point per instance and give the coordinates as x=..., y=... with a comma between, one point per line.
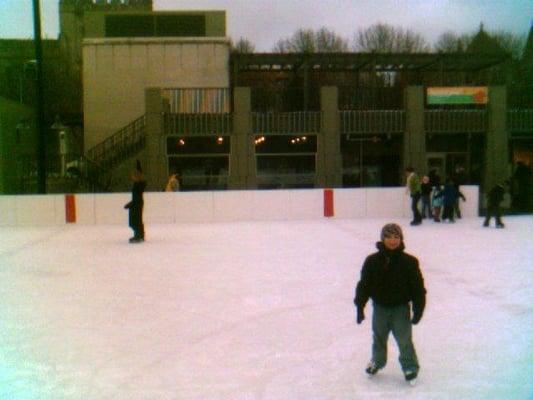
x=328, y=203
x=70, y=208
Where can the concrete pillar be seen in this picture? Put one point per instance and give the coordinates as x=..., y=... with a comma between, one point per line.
x=414, y=139
x=154, y=162
x=242, y=158
x=497, y=166
x=329, y=160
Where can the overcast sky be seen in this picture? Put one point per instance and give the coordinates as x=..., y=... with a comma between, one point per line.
x=264, y=22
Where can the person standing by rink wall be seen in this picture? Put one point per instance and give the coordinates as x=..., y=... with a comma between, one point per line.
x=393, y=280
x=135, y=206
x=494, y=199
x=425, y=189
x=173, y=184
x=413, y=188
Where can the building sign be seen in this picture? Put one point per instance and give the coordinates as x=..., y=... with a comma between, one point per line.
x=457, y=95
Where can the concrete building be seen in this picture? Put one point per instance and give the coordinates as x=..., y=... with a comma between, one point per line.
x=165, y=88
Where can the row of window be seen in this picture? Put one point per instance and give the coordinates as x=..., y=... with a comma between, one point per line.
x=285, y=161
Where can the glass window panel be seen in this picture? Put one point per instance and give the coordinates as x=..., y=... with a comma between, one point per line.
x=447, y=143
x=180, y=25
x=200, y=173
x=198, y=145
x=273, y=144
x=371, y=160
x=129, y=26
x=272, y=164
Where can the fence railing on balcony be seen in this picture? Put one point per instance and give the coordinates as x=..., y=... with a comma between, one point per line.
x=519, y=121
x=121, y=145
x=198, y=124
x=288, y=122
x=455, y=121
x=197, y=100
x=372, y=121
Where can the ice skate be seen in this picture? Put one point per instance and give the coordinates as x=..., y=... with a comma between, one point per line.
x=410, y=377
x=371, y=369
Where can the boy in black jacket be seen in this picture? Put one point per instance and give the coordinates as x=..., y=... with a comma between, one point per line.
x=392, y=279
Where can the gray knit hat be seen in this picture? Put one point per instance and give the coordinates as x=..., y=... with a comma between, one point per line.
x=391, y=229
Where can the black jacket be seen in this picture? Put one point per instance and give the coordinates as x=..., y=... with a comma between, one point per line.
x=391, y=278
x=137, y=191
x=136, y=204
x=496, y=194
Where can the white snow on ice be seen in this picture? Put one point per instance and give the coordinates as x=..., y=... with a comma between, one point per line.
x=258, y=310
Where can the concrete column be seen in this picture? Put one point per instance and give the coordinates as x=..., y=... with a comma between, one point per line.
x=414, y=139
x=497, y=166
x=242, y=158
x=154, y=162
x=329, y=160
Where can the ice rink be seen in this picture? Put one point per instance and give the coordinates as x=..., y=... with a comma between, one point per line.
x=257, y=310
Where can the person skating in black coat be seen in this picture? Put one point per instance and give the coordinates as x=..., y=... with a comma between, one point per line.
x=393, y=280
x=495, y=197
x=135, y=206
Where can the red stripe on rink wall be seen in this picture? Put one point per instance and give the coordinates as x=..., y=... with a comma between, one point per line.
x=70, y=208
x=328, y=203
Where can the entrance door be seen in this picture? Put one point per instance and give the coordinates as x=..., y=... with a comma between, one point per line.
x=437, y=162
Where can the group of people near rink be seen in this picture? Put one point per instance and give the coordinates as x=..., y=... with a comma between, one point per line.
x=441, y=202
x=390, y=277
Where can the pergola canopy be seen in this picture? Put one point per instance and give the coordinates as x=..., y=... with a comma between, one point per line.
x=439, y=62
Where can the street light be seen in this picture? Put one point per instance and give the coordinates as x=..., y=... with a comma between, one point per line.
x=62, y=132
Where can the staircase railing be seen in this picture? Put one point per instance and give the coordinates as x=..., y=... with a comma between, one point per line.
x=121, y=145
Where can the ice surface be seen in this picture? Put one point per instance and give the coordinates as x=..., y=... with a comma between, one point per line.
x=259, y=310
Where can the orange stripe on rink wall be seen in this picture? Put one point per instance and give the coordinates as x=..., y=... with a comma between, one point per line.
x=328, y=203
x=70, y=208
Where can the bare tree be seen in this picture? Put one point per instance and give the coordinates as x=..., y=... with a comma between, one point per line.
x=243, y=46
x=327, y=41
x=309, y=41
x=384, y=38
x=450, y=42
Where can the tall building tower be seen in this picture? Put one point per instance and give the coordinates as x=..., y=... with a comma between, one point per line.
x=72, y=19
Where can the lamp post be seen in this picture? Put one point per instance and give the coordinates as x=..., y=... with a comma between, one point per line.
x=62, y=133
x=41, y=143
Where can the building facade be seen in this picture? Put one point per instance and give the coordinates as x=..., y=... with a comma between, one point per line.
x=166, y=88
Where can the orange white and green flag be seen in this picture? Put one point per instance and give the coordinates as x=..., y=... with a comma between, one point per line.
x=457, y=95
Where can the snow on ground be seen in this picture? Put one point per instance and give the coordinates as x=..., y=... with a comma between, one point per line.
x=259, y=310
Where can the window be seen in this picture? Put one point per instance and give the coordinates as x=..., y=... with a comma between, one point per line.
x=202, y=162
x=285, y=161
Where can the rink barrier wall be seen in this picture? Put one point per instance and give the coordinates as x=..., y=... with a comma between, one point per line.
x=216, y=206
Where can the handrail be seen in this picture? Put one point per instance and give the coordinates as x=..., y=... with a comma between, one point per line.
x=371, y=121
x=455, y=120
x=286, y=122
x=120, y=145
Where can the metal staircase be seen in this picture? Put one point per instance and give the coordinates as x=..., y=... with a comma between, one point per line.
x=96, y=166
x=125, y=143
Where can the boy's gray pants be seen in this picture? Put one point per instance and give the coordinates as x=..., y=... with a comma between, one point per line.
x=398, y=321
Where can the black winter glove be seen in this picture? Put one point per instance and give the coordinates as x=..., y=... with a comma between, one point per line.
x=417, y=316
x=360, y=314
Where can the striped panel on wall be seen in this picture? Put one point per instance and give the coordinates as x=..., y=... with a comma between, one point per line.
x=199, y=101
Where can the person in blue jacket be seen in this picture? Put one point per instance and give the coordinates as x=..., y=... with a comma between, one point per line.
x=450, y=195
